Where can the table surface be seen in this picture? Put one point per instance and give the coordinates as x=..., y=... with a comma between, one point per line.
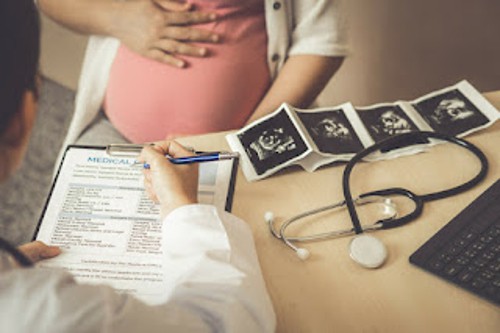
x=329, y=292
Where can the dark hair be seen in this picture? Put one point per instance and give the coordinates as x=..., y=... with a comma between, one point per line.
x=19, y=53
x=15, y=253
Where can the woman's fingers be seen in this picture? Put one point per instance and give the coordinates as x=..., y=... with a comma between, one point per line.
x=176, y=41
x=174, y=6
x=188, y=18
x=162, y=56
x=164, y=29
x=181, y=33
x=173, y=47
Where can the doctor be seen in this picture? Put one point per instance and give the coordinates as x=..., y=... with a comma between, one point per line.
x=219, y=283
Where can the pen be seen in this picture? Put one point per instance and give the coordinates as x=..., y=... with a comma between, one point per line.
x=200, y=158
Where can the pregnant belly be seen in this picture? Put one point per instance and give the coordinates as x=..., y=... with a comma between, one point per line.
x=148, y=101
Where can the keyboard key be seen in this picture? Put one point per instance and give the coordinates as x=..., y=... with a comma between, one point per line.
x=486, y=238
x=466, y=276
x=445, y=257
x=452, y=269
x=461, y=243
x=470, y=253
x=480, y=262
x=494, y=232
x=479, y=283
x=453, y=250
x=462, y=260
x=494, y=266
x=468, y=236
x=477, y=246
x=436, y=265
x=495, y=248
x=487, y=275
x=488, y=255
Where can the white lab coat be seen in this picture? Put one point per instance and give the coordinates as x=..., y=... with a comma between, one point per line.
x=218, y=287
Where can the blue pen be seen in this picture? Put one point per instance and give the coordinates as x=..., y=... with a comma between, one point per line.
x=200, y=158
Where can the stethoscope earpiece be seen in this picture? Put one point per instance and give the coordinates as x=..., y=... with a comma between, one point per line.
x=389, y=209
x=269, y=217
x=302, y=253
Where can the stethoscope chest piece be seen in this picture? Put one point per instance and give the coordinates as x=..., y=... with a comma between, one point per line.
x=367, y=251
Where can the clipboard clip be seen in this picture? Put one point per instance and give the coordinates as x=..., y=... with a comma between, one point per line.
x=125, y=149
x=131, y=149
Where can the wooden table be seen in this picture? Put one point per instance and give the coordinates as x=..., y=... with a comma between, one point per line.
x=329, y=292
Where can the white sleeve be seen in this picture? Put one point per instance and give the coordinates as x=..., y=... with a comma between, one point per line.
x=218, y=273
x=319, y=27
x=216, y=285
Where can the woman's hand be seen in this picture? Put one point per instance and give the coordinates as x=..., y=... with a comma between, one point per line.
x=166, y=183
x=162, y=29
x=158, y=29
x=36, y=251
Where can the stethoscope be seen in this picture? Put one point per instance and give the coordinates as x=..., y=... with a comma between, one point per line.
x=367, y=250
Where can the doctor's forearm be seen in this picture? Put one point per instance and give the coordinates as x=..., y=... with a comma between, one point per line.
x=299, y=82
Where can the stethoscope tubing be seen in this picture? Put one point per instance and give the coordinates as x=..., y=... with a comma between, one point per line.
x=366, y=198
x=397, y=222
x=395, y=143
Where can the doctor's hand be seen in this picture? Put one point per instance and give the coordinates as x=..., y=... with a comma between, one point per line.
x=162, y=29
x=37, y=251
x=170, y=185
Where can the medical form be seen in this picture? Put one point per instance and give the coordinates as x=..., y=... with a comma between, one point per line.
x=108, y=229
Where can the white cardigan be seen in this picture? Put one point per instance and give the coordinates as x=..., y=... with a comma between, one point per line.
x=293, y=27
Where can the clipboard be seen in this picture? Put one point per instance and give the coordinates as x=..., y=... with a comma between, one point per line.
x=109, y=230
x=75, y=174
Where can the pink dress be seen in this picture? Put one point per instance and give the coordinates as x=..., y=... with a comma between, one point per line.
x=147, y=100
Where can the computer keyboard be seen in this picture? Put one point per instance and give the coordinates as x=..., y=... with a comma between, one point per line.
x=466, y=251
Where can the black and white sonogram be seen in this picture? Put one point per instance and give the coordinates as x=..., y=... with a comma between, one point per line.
x=451, y=113
x=272, y=142
x=386, y=121
x=331, y=131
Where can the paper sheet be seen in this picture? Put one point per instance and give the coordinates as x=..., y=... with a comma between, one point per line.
x=109, y=230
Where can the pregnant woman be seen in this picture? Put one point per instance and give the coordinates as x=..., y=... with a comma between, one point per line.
x=158, y=68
